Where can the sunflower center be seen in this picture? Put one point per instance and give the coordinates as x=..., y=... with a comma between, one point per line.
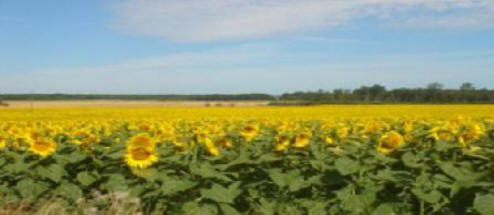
x=249, y=129
x=41, y=146
x=142, y=141
x=140, y=154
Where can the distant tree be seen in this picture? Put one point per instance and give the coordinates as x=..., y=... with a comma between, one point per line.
x=377, y=91
x=467, y=86
x=435, y=86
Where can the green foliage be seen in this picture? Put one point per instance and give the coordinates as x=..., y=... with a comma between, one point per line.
x=210, y=97
x=250, y=179
x=433, y=93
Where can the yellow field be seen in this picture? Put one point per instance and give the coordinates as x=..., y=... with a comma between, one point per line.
x=77, y=113
x=275, y=154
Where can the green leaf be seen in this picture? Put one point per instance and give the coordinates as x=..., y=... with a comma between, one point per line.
x=279, y=178
x=69, y=191
x=18, y=166
x=228, y=210
x=221, y=194
x=384, y=209
x=206, y=170
x=429, y=197
x=347, y=166
x=450, y=169
x=266, y=158
x=292, y=179
x=484, y=204
x=207, y=209
x=30, y=189
x=85, y=178
x=115, y=183
x=117, y=151
x=53, y=172
x=243, y=158
x=445, y=146
x=138, y=190
x=357, y=203
x=465, y=177
x=290, y=209
x=74, y=157
x=386, y=175
x=173, y=186
x=266, y=207
x=193, y=208
x=410, y=160
x=319, y=208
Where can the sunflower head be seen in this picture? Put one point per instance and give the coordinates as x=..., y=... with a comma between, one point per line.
x=342, y=132
x=141, y=141
x=211, y=147
x=472, y=132
x=225, y=142
x=3, y=142
x=42, y=146
x=302, y=140
x=283, y=139
x=329, y=140
x=140, y=158
x=280, y=147
x=249, y=132
x=282, y=142
x=389, y=142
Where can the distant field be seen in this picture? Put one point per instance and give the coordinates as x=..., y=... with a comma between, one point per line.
x=126, y=103
x=139, y=110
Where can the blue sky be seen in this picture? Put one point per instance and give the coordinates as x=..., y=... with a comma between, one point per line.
x=241, y=46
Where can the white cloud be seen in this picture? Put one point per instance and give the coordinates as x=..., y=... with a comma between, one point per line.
x=206, y=20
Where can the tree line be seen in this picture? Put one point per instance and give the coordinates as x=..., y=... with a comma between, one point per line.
x=209, y=97
x=433, y=93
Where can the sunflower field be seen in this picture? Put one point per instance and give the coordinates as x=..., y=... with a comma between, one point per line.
x=362, y=159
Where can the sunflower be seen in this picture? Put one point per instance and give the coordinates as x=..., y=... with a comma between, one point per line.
x=225, y=142
x=140, y=157
x=282, y=142
x=471, y=132
x=389, y=142
x=42, y=146
x=342, y=132
x=141, y=141
x=84, y=137
x=302, y=140
x=3, y=142
x=202, y=135
x=212, y=149
x=249, y=132
x=328, y=140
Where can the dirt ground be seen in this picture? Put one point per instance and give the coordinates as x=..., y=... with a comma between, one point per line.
x=122, y=103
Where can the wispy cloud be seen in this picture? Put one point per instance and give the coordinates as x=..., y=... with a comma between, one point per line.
x=199, y=20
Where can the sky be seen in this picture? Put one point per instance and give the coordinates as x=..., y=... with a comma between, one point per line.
x=242, y=46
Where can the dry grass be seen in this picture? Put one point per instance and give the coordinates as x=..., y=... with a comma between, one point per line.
x=131, y=104
x=113, y=204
